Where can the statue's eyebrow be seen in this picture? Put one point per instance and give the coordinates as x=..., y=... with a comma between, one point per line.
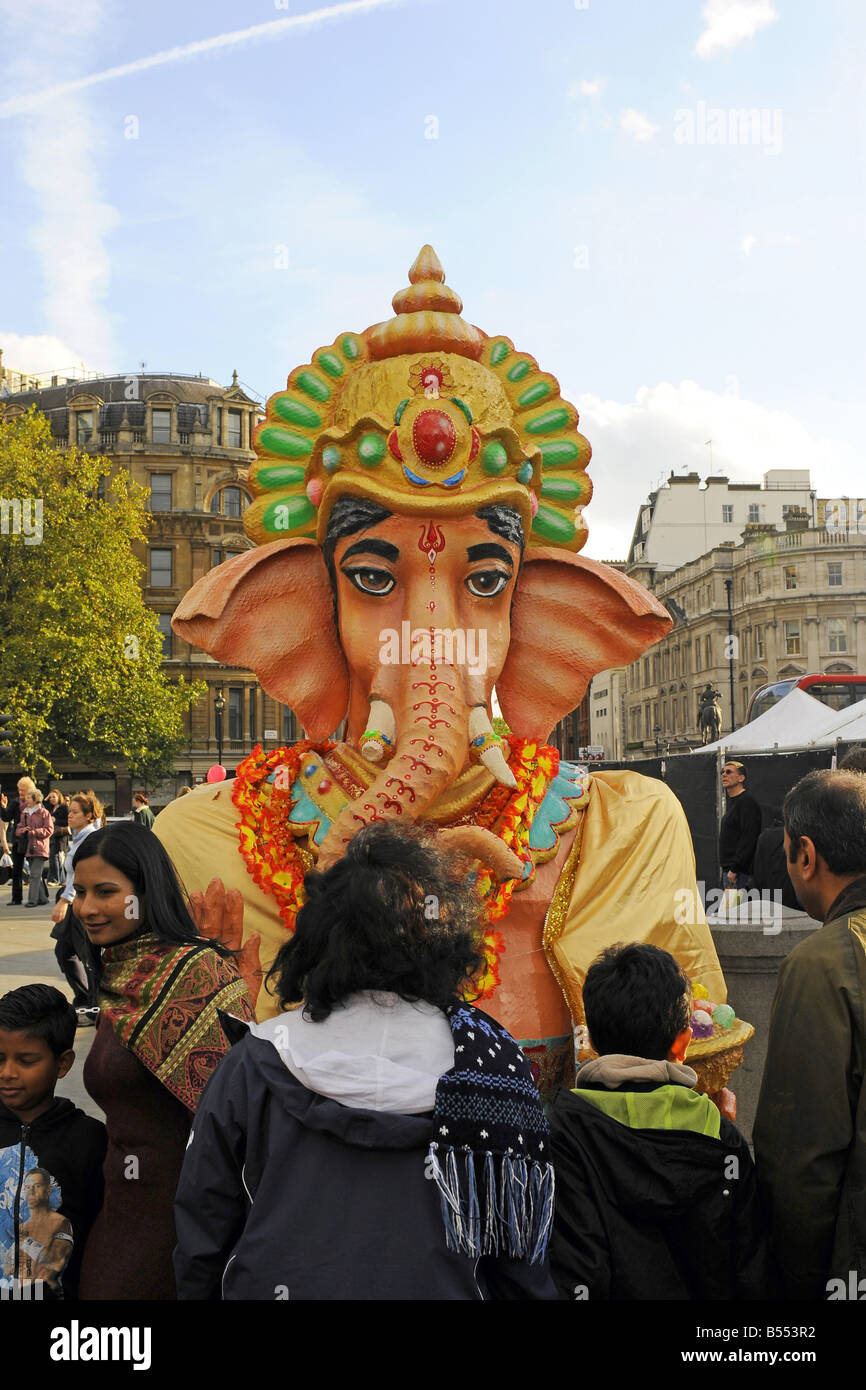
x=488, y=550
x=372, y=546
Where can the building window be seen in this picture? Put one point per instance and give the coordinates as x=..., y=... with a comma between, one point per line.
x=790, y=576
x=727, y=514
x=646, y=672
x=742, y=591
x=161, y=427
x=758, y=583
x=834, y=574
x=252, y=714
x=234, y=429
x=160, y=569
x=236, y=713
x=290, y=732
x=759, y=644
x=228, y=502
x=837, y=629
x=754, y=511
x=792, y=639
x=164, y=624
x=83, y=426
x=709, y=650
x=217, y=556
x=160, y=492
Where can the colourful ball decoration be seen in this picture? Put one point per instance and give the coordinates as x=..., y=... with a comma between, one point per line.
x=314, y=491
x=724, y=1015
x=701, y=1025
x=524, y=472
x=330, y=458
x=217, y=773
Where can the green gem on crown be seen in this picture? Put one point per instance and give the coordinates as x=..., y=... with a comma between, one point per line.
x=371, y=449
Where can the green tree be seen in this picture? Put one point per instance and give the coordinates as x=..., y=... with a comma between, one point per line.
x=81, y=653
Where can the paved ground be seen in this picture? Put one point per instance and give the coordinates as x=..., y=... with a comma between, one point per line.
x=27, y=958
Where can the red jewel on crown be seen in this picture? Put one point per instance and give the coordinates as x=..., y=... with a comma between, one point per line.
x=434, y=437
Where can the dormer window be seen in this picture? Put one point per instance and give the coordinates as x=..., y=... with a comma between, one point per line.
x=161, y=427
x=83, y=426
x=234, y=429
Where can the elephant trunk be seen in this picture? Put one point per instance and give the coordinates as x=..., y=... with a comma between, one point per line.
x=430, y=726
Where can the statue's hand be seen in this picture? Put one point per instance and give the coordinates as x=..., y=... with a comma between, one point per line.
x=219, y=914
x=726, y=1102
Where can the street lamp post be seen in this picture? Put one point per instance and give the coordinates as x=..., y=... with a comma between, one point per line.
x=729, y=585
x=219, y=705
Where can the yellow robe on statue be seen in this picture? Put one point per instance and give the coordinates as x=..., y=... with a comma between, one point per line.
x=625, y=866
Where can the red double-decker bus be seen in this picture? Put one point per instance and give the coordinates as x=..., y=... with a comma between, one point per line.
x=837, y=692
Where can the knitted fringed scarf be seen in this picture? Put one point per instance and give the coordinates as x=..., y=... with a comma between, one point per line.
x=489, y=1148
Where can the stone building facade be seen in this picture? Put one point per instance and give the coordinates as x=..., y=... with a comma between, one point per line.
x=796, y=605
x=188, y=440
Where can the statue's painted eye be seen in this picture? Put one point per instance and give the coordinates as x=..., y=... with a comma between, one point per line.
x=371, y=581
x=487, y=583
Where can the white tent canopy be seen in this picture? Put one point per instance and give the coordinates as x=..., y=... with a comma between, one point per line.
x=797, y=721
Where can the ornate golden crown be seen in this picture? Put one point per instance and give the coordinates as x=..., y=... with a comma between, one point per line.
x=427, y=415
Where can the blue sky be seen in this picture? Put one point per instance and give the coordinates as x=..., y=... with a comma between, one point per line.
x=557, y=156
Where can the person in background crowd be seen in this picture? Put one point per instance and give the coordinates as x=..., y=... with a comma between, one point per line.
x=17, y=847
x=59, y=812
x=854, y=760
x=740, y=828
x=810, y=1130
x=646, y=1207
x=5, y=849
x=141, y=811
x=384, y=1086
x=162, y=986
x=34, y=830
x=770, y=867
x=72, y=949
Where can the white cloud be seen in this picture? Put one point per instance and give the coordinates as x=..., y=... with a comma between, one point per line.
x=729, y=22
x=748, y=241
x=585, y=88
x=59, y=154
x=256, y=33
x=72, y=227
x=636, y=124
x=38, y=353
x=664, y=430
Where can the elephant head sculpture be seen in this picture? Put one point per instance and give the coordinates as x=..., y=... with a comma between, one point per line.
x=419, y=494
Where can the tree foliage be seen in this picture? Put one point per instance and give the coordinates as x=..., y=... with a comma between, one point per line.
x=81, y=653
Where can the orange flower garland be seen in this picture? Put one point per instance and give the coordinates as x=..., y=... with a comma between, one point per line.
x=277, y=864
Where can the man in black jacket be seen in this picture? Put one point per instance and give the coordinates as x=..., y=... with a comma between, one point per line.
x=656, y=1196
x=740, y=828
x=810, y=1129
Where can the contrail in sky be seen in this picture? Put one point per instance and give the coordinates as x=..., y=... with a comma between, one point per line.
x=273, y=29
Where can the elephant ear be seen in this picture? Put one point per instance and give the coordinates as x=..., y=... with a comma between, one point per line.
x=271, y=610
x=571, y=618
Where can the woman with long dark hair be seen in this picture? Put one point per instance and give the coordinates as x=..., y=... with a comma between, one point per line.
x=386, y=1140
x=159, y=1039
x=72, y=951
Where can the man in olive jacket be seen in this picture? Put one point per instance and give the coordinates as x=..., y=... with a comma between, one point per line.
x=810, y=1131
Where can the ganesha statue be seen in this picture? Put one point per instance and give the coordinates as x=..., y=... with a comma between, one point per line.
x=418, y=517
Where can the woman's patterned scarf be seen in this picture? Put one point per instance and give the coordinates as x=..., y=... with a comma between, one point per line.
x=489, y=1149
x=162, y=999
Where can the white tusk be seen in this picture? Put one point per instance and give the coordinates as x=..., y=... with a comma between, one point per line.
x=493, y=758
x=377, y=741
